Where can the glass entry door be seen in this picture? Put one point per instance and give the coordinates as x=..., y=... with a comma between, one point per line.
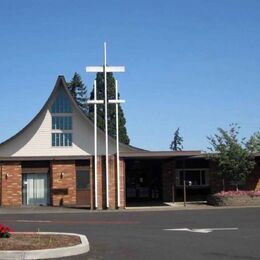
x=35, y=189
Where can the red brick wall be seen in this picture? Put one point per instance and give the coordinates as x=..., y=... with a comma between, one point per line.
x=68, y=181
x=253, y=180
x=113, y=201
x=1, y=184
x=217, y=185
x=112, y=182
x=215, y=180
x=92, y=187
x=11, y=183
x=168, y=176
x=101, y=184
x=122, y=184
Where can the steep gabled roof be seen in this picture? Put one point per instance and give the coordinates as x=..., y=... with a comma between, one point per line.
x=61, y=83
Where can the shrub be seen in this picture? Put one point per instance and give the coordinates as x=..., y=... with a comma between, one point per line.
x=250, y=193
x=5, y=231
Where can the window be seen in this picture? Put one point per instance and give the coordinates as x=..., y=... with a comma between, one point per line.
x=62, y=122
x=61, y=104
x=197, y=177
x=61, y=139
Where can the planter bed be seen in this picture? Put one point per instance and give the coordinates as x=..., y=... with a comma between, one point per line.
x=42, y=245
x=235, y=198
x=37, y=241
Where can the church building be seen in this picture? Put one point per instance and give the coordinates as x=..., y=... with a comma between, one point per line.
x=51, y=162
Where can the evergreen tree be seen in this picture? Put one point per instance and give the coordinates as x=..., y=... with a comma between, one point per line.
x=78, y=91
x=111, y=109
x=176, y=144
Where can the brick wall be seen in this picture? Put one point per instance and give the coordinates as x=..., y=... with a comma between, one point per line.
x=11, y=183
x=92, y=184
x=1, y=184
x=112, y=183
x=168, y=176
x=253, y=180
x=113, y=200
x=122, y=184
x=215, y=180
x=217, y=184
x=101, y=182
x=67, y=181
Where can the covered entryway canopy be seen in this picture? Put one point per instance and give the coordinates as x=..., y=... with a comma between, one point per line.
x=153, y=177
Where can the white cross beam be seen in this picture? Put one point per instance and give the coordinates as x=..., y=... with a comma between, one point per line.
x=105, y=69
x=108, y=69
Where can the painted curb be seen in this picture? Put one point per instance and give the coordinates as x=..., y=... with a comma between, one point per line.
x=48, y=253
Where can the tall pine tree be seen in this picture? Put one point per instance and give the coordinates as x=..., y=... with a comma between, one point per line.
x=111, y=109
x=79, y=91
x=176, y=144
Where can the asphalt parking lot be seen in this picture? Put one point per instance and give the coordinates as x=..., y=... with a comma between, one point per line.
x=205, y=234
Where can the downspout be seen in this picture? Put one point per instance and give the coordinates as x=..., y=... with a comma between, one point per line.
x=1, y=173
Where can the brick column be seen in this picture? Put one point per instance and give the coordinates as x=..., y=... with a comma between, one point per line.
x=122, y=184
x=168, y=177
x=92, y=183
x=11, y=182
x=101, y=184
x=112, y=182
x=1, y=188
x=215, y=180
x=63, y=177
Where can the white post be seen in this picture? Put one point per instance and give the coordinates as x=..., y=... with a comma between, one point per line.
x=117, y=150
x=106, y=125
x=95, y=141
x=117, y=101
x=95, y=102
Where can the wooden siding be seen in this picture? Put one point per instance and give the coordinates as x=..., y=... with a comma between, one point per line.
x=36, y=139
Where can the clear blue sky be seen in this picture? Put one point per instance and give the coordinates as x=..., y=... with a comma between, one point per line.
x=189, y=64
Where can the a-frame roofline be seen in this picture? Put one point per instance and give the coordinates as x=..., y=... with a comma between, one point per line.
x=61, y=83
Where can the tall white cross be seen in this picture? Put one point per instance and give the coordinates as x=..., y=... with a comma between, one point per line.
x=106, y=69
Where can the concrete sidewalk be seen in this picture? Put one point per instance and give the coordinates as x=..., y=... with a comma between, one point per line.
x=41, y=210
x=172, y=206
x=165, y=207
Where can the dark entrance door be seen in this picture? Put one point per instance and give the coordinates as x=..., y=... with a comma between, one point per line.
x=143, y=181
x=83, y=187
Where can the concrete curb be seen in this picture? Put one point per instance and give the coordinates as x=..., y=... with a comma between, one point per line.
x=48, y=253
x=174, y=207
